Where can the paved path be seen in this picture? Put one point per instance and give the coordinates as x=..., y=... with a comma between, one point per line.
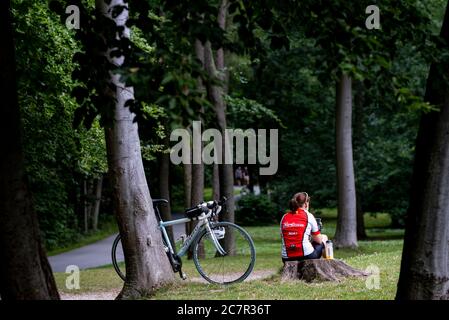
x=96, y=254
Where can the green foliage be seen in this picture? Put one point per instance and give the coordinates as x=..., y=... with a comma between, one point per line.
x=347, y=45
x=246, y=113
x=298, y=85
x=304, y=105
x=153, y=130
x=57, y=156
x=255, y=210
x=282, y=59
x=92, y=153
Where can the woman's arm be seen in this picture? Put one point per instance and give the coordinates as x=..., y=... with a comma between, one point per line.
x=319, y=238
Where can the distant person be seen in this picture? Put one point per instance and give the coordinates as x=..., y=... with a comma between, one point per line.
x=238, y=176
x=245, y=176
x=301, y=237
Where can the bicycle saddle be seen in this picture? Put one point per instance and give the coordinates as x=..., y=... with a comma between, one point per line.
x=157, y=202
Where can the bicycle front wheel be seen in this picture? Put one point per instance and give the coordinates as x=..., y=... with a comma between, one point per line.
x=232, y=265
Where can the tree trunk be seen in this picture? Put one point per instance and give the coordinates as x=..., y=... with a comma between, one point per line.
x=75, y=198
x=90, y=202
x=197, y=193
x=220, y=55
x=319, y=270
x=24, y=269
x=147, y=266
x=216, y=96
x=187, y=185
x=215, y=182
x=96, y=207
x=346, y=233
x=197, y=197
x=188, y=195
x=359, y=104
x=425, y=258
x=164, y=187
x=85, y=207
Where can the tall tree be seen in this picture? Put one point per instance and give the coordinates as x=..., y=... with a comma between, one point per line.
x=187, y=171
x=425, y=260
x=214, y=64
x=164, y=186
x=97, y=201
x=359, y=101
x=24, y=269
x=147, y=266
x=346, y=233
x=353, y=51
x=215, y=182
x=197, y=194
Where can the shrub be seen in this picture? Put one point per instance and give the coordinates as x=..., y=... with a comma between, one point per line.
x=255, y=210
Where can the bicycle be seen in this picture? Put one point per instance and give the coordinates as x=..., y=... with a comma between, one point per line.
x=217, y=259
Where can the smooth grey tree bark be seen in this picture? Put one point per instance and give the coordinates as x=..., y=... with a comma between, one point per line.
x=425, y=257
x=197, y=183
x=97, y=202
x=25, y=273
x=215, y=182
x=359, y=116
x=147, y=266
x=187, y=184
x=346, y=233
x=164, y=187
x=197, y=194
x=187, y=171
x=216, y=68
x=87, y=192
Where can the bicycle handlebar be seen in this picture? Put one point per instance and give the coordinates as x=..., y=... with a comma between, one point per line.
x=222, y=201
x=196, y=210
x=204, y=207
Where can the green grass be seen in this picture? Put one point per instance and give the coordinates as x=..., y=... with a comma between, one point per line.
x=107, y=228
x=386, y=258
x=385, y=254
x=208, y=193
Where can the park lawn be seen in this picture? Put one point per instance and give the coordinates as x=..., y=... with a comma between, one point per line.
x=208, y=193
x=383, y=254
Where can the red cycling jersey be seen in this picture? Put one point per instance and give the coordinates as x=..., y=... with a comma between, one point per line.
x=296, y=229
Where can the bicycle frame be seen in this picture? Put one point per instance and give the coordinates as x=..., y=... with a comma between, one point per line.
x=206, y=227
x=203, y=222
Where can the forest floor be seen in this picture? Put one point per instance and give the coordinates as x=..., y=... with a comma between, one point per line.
x=381, y=251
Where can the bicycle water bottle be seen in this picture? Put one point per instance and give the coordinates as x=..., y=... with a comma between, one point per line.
x=329, y=250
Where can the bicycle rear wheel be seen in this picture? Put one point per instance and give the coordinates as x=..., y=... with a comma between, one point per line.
x=235, y=265
x=118, y=258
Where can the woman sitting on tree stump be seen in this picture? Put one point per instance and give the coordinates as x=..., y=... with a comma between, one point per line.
x=298, y=228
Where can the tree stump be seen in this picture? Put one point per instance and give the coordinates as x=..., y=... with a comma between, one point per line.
x=319, y=270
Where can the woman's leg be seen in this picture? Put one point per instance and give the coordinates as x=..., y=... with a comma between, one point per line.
x=316, y=254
